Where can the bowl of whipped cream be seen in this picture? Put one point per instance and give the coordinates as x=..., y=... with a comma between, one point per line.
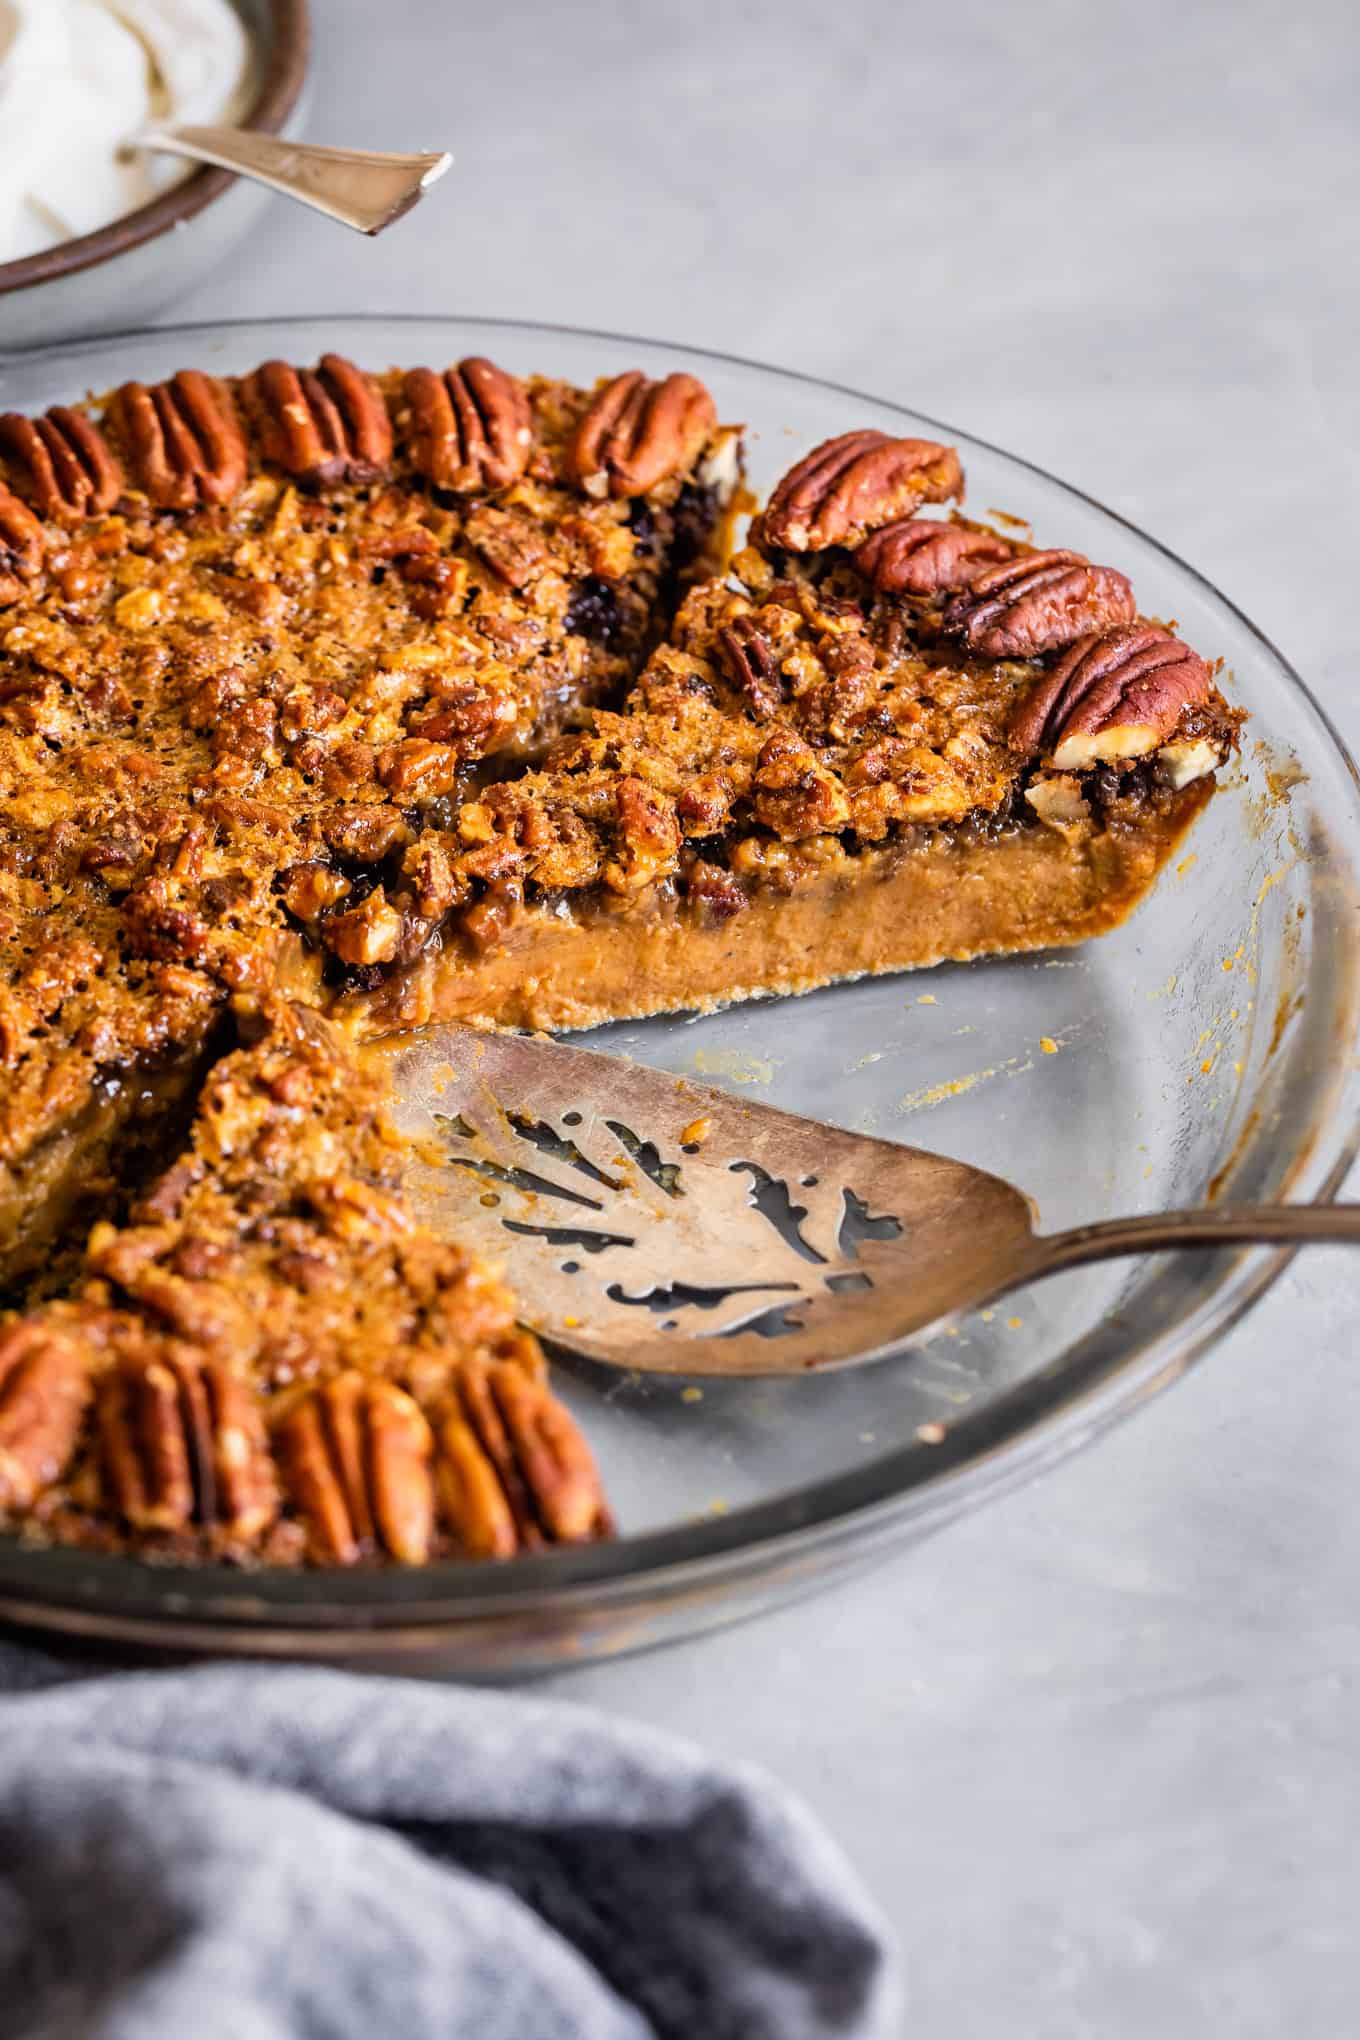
x=94, y=237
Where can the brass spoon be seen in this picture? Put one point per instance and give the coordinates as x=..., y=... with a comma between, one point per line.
x=656, y=1224
x=363, y=188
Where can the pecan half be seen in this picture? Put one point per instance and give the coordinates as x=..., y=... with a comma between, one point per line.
x=472, y=1500
x=44, y=1390
x=546, y=1475
x=849, y=486
x=1115, y=694
x=68, y=470
x=323, y=426
x=183, y=439
x=21, y=545
x=1037, y=603
x=748, y=656
x=470, y=427
x=183, y=1441
x=919, y=556
x=357, y=1462
x=635, y=433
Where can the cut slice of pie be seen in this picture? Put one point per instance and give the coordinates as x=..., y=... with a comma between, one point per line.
x=270, y=1360
x=883, y=740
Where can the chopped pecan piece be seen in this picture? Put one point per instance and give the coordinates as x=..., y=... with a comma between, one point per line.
x=636, y=433
x=715, y=890
x=1115, y=694
x=68, y=471
x=470, y=427
x=794, y=793
x=648, y=836
x=749, y=658
x=367, y=934
x=512, y=546
x=21, y=545
x=325, y=425
x=183, y=440
x=1037, y=603
x=849, y=486
x=44, y=1390
x=920, y=556
x=183, y=1441
x=357, y=1461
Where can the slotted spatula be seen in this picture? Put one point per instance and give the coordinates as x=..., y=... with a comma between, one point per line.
x=656, y=1224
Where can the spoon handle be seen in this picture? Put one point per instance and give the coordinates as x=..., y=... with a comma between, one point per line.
x=363, y=188
x=1225, y=1225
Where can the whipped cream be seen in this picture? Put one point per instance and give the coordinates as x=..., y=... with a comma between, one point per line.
x=78, y=78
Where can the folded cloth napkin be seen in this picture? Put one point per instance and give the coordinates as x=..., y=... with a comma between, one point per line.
x=259, y=1853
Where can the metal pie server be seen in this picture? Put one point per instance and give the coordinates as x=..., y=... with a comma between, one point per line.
x=656, y=1224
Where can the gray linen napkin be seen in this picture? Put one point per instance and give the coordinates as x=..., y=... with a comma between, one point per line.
x=252, y=1853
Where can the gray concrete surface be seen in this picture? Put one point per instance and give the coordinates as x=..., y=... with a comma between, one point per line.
x=1097, y=1750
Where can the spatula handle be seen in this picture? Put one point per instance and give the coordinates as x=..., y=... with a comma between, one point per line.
x=1224, y=1225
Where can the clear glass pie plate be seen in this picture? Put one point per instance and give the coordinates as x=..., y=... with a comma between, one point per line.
x=1204, y=1050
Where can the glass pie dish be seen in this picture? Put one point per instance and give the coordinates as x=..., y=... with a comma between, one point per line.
x=1204, y=1050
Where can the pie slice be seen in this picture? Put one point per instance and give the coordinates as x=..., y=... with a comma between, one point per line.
x=882, y=740
x=269, y=1360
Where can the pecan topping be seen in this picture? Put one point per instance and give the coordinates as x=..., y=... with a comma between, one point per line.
x=472, y=1500
x=793, y=792
x=68, y=471
x=716, y=891
x=552, y=1455
x=850, y=486
x=1037, y=603
x=919, y=556
x=21, y=545
x=512, y=545
x=184, y=1442
x=1115, y=694
x=183, y=439
x=637, y=432
x=323, y=426
x=527, y=1443
x=470, y=427
x=44, y=1389
x=357, y=1460
x=749, y=658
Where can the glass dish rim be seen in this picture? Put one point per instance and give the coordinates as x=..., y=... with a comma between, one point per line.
x=1065, y=1401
